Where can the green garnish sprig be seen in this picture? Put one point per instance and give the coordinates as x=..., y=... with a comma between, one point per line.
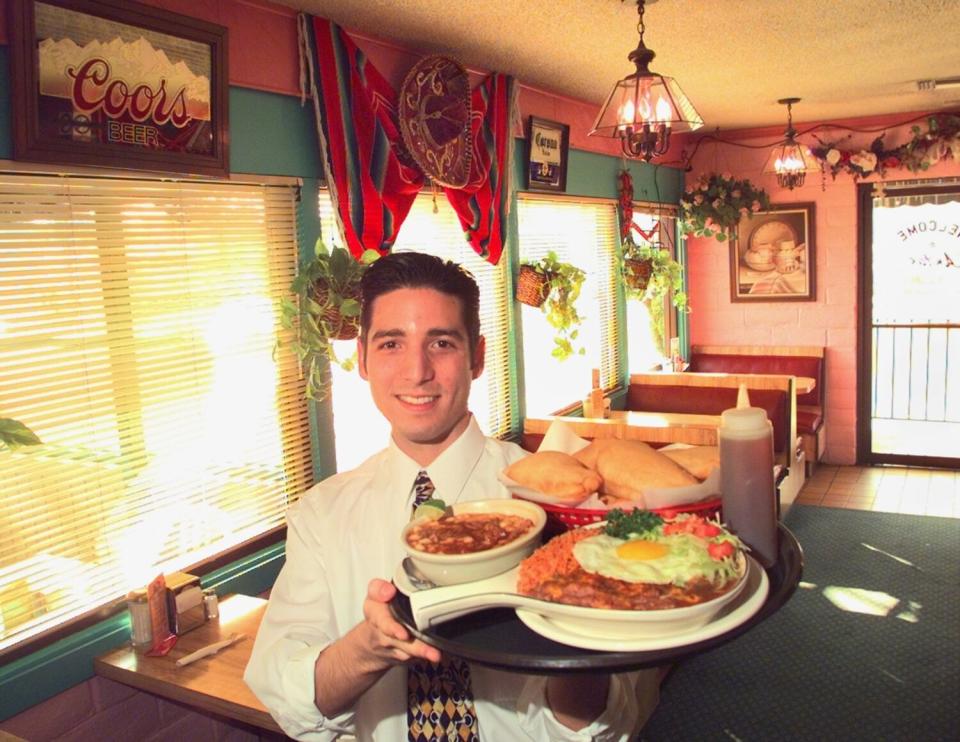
x=638, y=522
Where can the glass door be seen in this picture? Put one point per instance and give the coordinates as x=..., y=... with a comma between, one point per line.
x=909, y=387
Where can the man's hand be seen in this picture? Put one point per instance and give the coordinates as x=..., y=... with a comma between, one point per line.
x=388, y=640
x=350, y=665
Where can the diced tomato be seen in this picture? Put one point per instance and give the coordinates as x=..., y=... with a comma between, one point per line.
x=690, y=524
x=707, y=530
x=720, y=550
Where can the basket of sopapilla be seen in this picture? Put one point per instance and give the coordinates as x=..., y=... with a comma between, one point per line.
x=579, y=485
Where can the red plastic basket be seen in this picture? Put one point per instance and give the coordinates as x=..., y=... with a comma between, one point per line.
x=561, y=518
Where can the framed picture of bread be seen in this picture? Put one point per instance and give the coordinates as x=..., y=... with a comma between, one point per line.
x=772, y=257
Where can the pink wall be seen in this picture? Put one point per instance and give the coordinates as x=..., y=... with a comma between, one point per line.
x=262, y=39
x=262, y=52
x=831, y=320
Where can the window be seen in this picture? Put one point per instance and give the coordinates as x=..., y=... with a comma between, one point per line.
x=585, y=234
x=138, y=321
x=650, y=325
x=431, y=227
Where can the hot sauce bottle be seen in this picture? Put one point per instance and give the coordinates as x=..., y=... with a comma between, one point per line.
x=747, y=486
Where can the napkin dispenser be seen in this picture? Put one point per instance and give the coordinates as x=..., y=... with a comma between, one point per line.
x=184, y=602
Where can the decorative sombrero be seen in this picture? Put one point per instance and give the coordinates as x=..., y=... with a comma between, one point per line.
x=434, y=113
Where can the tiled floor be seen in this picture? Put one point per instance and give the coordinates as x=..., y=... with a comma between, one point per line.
x=889, y=489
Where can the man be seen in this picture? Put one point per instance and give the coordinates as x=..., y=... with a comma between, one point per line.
x=329, y=658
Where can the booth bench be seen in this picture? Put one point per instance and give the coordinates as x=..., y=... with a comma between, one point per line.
x=711, y=393
x=801, y=361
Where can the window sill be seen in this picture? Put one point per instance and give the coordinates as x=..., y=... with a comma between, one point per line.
x=60, y=664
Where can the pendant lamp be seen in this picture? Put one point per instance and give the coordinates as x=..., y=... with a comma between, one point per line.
x=790, y=160
x=644, y=107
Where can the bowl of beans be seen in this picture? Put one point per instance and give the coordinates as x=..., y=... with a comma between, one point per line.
x=474, y=540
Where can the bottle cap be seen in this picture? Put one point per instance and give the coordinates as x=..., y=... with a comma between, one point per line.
x=743, y=398
x=744, y=422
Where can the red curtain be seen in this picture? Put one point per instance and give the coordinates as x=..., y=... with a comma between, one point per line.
x=372, y=178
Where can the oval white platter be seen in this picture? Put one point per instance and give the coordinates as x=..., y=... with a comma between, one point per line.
x=738, y=611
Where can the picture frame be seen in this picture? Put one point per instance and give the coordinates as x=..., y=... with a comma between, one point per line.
x=118, y=84
x=773, y=256
x=548, y=149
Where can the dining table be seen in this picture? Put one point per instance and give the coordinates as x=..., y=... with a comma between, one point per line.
x=212, y=684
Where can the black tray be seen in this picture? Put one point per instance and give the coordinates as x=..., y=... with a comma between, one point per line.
x=497, y=638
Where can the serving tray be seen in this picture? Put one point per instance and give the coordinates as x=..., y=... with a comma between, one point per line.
x=498, y=638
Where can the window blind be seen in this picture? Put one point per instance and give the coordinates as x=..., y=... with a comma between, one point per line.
x=138, y=320
x=430, y=227
x=585, y=234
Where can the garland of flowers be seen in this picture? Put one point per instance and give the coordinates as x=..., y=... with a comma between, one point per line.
x=940, y=140
x=717, y=202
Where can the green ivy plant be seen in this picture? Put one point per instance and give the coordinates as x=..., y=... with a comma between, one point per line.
x=715, y=204
x=14, y=434
x=666, y=274
x=325, y=306
x=564, y=282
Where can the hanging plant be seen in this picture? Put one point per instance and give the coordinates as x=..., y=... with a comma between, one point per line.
x=649, y=273
x=556, y=286
x=325, y=307
x=716, y=203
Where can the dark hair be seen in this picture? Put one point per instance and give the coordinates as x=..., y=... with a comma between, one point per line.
x=415, y=270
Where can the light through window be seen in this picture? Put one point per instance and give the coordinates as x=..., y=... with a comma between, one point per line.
x=650, y=324
x=585, y=235
x=138, y=321
x=430, y=227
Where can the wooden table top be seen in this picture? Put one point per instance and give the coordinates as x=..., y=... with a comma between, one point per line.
x=805, y=384
x=652, y=427
x=213, y=683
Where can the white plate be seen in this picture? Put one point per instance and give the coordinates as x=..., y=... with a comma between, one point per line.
x=436, y=605
x=736, y=612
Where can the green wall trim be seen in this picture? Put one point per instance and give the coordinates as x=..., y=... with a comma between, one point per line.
x=272, y=134
x=59, y=666
x=251, y=575
x=53, y=669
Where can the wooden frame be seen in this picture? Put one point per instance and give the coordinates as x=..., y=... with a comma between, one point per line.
x=118, y=84
x=773, y=256
x=548, y=149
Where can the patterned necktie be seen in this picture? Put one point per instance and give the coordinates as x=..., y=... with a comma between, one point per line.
x=423, y=488
x=439, y=701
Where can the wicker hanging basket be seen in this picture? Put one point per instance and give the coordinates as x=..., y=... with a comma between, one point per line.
x=342, y=328
x=532, y=287
x=636, y=273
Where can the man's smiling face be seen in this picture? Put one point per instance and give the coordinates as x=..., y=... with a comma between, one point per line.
x=418, y=362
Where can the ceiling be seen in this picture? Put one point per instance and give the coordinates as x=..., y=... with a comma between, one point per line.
x=733, y=58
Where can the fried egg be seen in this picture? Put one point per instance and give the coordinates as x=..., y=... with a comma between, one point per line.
x=675, y=558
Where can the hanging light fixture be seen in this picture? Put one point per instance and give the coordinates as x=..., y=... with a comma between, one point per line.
x=790, y=160
x=644, y=107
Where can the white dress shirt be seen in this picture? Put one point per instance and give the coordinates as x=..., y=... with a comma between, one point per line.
x=343, y=533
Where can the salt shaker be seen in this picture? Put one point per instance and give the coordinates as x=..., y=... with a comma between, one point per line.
x=747, y=484
x=141, y=632
x=211, y=607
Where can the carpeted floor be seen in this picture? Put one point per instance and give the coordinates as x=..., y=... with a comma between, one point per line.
x=868, y=648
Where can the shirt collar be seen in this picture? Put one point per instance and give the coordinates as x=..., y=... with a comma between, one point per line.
x=449, y=472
